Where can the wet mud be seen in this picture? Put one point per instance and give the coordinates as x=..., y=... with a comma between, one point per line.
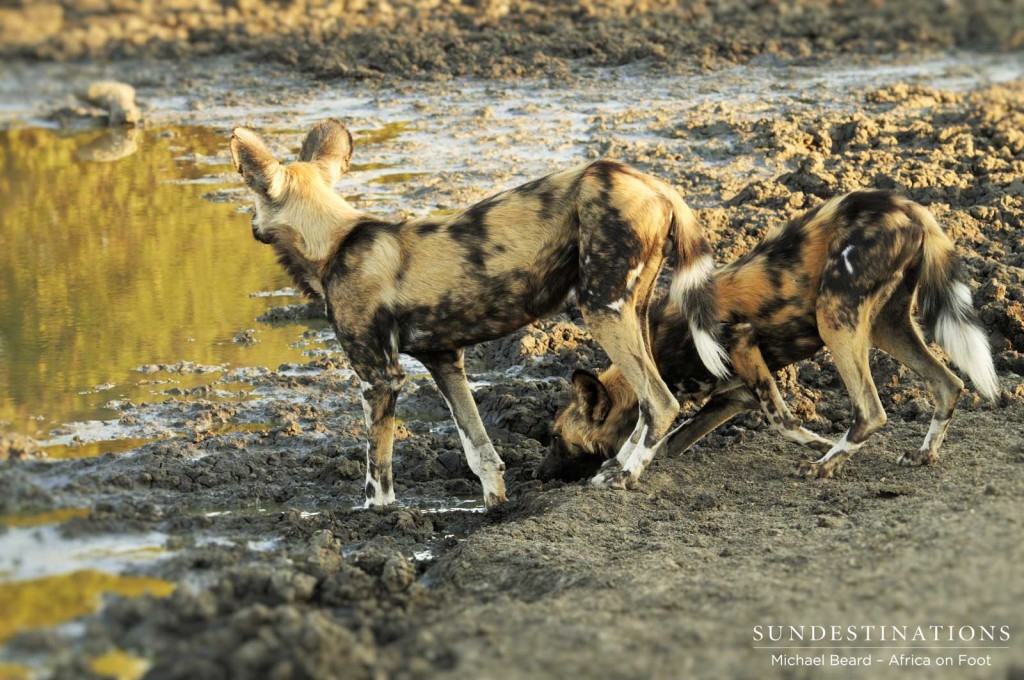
x=225, y=539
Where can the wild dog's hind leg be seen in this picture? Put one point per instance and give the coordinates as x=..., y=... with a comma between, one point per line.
x=616, y=324
x=450, y=375
x=750, y=366
x=860, y=276
x=380, y=380
x=896, y=334
x=844, y=323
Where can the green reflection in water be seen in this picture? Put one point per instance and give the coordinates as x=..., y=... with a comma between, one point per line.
x=397, y=177
x=385, y=133
x=108, y=265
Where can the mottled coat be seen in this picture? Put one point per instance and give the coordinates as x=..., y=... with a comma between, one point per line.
x=845, y=275
x=430, y=286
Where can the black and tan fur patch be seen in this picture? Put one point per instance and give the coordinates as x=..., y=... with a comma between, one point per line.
x=430, y=286
x=843, y=275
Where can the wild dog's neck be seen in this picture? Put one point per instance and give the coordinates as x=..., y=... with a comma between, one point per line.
x=304, y=272
x=305, y=252
x=322, y=234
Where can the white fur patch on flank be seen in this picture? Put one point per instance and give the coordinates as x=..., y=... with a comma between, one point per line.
x=617, y=305
x=965, y=343
x=712, y=354
x=846, y=258
x=693, y=277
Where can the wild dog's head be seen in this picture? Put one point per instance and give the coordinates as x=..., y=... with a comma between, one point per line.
x=298, y=200
x=588, y=431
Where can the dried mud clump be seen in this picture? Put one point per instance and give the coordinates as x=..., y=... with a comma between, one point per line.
x=549, y=347
x=15, y=447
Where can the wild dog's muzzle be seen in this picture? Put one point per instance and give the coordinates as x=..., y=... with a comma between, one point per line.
x=262, y=238
x=560, y=464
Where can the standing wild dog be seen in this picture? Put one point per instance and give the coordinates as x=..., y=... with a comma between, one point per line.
x=844, y=275
x=429, y=287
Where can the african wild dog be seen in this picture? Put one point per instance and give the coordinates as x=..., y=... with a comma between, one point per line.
x=429, y=286
x=844, y=276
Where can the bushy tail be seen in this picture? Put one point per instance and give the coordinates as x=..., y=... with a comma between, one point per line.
x=948, y=312
x=693, y=287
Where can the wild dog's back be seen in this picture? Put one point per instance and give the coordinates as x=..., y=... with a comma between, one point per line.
x=515, y=256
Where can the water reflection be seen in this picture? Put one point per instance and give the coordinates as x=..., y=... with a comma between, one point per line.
x=48, y=601
x=111, y=146
x=109, y=265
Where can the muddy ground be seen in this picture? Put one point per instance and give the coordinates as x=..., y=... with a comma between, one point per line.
x=276, y=574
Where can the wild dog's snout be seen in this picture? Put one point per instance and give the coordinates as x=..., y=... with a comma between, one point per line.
x=561, y=463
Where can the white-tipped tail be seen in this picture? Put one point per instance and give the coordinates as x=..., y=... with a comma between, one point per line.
x=693, y=290
x=692, y=278
x=712, y=354
x=964, y=342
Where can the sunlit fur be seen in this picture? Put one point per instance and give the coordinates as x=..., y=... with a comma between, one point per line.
x=431, y=286
x=844, y=275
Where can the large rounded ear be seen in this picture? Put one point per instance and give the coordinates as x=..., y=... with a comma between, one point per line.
x=591, y=396
x=328, y=146
x=255, y=163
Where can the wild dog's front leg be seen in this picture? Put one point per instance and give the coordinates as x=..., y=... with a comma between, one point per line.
x=380, y=380
x=720, y=408
x=449, y=373
x=379, y=399
x=614, y=295
x=622, y=471
x=750, y=365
